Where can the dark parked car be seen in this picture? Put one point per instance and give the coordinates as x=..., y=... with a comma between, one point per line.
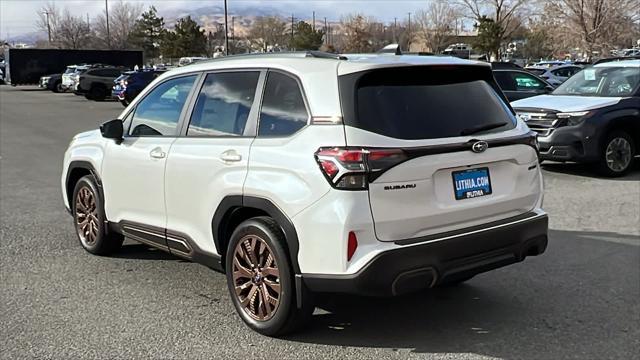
x=129, y=85
x=520, y=84
x=94, y=83
x=594, y=117
x=52, y=82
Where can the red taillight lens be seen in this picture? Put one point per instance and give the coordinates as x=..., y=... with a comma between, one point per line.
x=352, y=245
x=329, y=168
x=352, y=169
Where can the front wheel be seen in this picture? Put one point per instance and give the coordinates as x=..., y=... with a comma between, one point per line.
x=124, y=103
x=616, y=156
x=260, y=279
x=89, y=219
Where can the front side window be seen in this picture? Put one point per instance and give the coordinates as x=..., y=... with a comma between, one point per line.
x=283, y=111
x=223, y=105
x=159, y=112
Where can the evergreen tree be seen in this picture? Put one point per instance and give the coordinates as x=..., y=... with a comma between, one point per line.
x=306, y=37
x=489, y=36
x=148, y=32
x=186, y=39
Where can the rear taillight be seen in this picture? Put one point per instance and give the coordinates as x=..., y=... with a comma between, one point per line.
x=354, y=168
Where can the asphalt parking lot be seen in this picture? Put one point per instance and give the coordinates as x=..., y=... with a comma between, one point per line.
x=579, y=300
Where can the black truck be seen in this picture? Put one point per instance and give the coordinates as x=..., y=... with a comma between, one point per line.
x=26, y=66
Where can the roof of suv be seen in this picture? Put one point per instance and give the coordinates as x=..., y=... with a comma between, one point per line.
x=302, y=62
x=620, y=63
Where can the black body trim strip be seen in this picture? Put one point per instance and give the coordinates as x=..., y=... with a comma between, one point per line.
x=415, y=152
x=173, y=242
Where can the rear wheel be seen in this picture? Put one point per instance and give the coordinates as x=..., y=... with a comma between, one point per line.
x=260, y=279
x=57, y=87
x=89, y=219
x=616, y=155
x=97, y=93
x=124, y=103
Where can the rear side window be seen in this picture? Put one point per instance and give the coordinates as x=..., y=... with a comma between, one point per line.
x=224, y=104
x=526, y=82
x=505, y=80
x=283, y=111
x=425, y=102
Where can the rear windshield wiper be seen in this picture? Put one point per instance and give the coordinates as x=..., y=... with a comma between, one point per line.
x=480, y=128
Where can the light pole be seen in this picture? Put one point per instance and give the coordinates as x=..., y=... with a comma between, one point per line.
x=106, y=11
x=226, y=30
x=48, y=26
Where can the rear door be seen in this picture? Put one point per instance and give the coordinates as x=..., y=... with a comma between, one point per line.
x=435, y=115
x=209, y=161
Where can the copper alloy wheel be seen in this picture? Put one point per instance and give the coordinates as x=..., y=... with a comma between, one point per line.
x=256, y=278
x=87, y=216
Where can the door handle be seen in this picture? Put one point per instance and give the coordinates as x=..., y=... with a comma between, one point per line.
x=230, y=156
x=157, y=153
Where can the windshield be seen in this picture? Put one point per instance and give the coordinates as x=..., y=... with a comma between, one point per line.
x=70, y=70
x=601, y=81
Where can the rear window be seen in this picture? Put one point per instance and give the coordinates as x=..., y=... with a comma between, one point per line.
x=425, y=102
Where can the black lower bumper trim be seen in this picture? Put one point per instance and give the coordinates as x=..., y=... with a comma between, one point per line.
x=419, y=266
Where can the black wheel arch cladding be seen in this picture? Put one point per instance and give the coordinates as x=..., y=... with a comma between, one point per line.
x=252, y=206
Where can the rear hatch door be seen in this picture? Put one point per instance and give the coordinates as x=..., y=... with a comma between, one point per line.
x=465, y=160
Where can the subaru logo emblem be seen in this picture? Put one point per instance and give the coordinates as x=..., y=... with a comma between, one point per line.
x=479, y=146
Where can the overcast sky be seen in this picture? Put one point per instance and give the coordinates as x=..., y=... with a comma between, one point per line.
x=19, y=16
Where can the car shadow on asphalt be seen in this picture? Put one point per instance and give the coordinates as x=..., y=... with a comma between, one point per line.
x=536, y=309
x=587, y=170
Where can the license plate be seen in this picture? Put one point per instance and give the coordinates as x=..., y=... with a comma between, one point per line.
x=472, y=183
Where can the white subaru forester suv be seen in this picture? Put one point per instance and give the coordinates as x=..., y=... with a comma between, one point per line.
x=299, y=173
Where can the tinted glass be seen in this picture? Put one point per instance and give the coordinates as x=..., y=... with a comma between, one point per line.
x=505, y=80
x=426, y=103
x=526, y=82
x=601, y=81
x=159, y=112
x=283, y=111
x=223, y=104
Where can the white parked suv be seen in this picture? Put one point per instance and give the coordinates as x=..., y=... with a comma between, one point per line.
x=303, y=173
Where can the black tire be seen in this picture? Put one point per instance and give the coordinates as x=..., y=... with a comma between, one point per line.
x=284, y=317
x=57, y=87
x=87, y=209
x=97, y=93
x=619, y=162
x=124, y=103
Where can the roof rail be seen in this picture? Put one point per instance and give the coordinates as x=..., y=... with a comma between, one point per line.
x=325, y=55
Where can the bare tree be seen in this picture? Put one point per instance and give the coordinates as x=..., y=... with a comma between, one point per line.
x=122, y=19
x=49, y=17
x=596, y=25
x=72, y=31
x=438, y=24
x=268, y=32
x=357, y=34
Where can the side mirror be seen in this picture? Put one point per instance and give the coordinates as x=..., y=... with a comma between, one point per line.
x=112, y=130
x=549, y=88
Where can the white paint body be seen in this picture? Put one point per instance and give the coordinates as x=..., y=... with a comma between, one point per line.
x=181, y=191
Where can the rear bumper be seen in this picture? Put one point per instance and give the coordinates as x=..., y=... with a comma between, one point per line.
x=417, y=266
